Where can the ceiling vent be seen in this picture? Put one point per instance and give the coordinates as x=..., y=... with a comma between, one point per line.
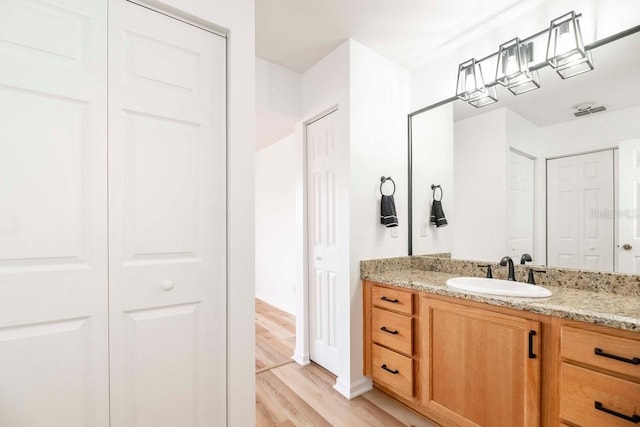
x=587, y=109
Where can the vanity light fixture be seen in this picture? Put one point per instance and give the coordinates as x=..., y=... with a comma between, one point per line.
x=512, y=70
x=565, y=48
x=471, y=87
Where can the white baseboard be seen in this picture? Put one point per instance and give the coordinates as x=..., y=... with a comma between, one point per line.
x=354, y=389
x=301, y=358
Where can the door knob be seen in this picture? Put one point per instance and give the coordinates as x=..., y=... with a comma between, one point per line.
x=627, y=247
x=167, y=285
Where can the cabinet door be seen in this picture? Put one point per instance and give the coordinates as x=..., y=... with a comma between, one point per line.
x=166, y=221
x=53, y=214
x=483, y=368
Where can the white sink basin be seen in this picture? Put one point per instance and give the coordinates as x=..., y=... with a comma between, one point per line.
x=498, y=287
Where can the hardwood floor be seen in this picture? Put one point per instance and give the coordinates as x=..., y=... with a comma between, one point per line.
x=288, y=394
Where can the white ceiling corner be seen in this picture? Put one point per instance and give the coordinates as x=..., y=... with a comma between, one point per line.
x=298, y=33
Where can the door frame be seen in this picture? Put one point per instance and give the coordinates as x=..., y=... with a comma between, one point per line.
x=302, y=349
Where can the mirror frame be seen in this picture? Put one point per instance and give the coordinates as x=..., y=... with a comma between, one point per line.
x=410, y=116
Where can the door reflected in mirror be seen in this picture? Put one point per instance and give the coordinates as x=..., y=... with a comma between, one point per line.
x=548, y=173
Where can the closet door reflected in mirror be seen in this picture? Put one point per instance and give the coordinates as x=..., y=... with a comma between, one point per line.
x=581, y=211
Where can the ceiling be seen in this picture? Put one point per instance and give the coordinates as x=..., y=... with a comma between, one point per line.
x=298, y=33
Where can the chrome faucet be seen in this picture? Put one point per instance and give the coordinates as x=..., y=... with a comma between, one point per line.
x=508, y=261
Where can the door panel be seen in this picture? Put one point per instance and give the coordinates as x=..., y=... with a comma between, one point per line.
x=167, y=198
x=323, y=250
x=53, y=214
x=580, y=211
x=629, y=207
x=520, y=205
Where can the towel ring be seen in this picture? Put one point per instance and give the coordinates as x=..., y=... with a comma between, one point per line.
x=383, y=180
x=434, y=188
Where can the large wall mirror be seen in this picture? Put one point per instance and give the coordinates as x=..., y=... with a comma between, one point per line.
x=543, y=173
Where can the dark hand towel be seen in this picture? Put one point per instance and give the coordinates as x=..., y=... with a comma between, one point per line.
x=388, y=216
x=437, y=214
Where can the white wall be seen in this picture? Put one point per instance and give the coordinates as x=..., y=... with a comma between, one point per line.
x=371, y=95
x=324, y=86
x=436, y=80
x=278, y=102
x=237, y=18
x=378, y=142
x=432, y=151
x=595, y=132
x=480, y=187
x=527, y=138
x=275, y=224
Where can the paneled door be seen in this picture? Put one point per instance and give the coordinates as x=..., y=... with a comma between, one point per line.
x=580, y=211
x=167, y=213
x=53, y=214
x=322, y=151
x=629, y=207
x=520, y=205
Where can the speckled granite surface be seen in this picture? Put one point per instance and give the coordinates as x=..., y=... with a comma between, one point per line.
x=605, y=299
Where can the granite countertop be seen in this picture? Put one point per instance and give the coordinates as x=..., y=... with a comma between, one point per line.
x=597, y=307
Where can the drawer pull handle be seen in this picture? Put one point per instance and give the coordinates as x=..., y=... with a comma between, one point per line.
x=633, y=418
x=395, y=301
x=394, y=372
x=599, y=352
x=384, y=329
x=532, y=355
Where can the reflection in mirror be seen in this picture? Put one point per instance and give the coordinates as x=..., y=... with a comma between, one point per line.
x=548, y=173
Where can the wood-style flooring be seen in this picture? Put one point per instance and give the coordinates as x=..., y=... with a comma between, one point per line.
x=288, y=394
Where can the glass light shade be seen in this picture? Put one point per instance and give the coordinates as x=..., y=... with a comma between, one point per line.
x=490, y=96
x=528, y=82
x=470, y=81
x=512, y=69
x=565, y=48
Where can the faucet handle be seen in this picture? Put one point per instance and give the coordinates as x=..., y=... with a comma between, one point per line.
x=489, y=272
x=530, y=279
x=525, y=258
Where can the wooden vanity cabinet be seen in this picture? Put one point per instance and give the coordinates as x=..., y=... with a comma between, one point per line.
x=599, y=376
x=480, y=367
x=465, y=363
x=469, y=366
x=389, y=354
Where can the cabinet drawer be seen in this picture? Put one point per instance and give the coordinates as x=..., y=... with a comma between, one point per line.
x=581, y=346
x=392, y=330
x=393, y=370
x=580, y=389
x=392, y=299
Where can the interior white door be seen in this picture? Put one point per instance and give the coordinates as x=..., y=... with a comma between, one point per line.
x=580, y=211
x=629, y=207
x=323, y=241
x=520, y=205
x=596, y=215
x=167, y=220
x=562, y=217
x=53, y=213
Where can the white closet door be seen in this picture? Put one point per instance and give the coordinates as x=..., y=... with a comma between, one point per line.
x=580, y=211
x=520, y=205
x=597, y=215
x=324, y=262
x=629, y=207
x=167, y=229
x=53, y=214
x=562, y=217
